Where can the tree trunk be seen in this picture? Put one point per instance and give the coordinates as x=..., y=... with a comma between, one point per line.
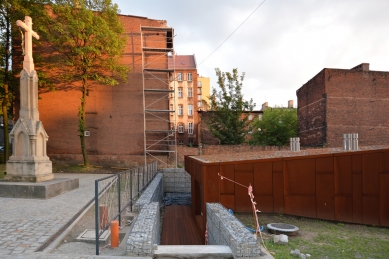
x=81, y=123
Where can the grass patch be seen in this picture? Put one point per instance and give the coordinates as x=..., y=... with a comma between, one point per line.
x=326, y=239
x=2, y=171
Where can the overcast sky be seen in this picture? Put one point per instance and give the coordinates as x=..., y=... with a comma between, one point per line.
x=281, y=46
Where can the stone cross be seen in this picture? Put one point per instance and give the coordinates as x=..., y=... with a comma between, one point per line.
x=26, y=26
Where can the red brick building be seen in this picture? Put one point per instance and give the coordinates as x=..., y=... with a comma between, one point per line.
x=115, y=115
x=340, y=101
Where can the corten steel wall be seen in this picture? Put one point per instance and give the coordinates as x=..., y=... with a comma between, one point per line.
x=348, y=187
x=114, y=115
x=339, y=101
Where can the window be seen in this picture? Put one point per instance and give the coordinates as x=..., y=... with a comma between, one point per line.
x=198, y=90
x=190, y=142
x=190, y=92
x=190, y=110
x=199, y=97
x=260, y=116
x=200, y=104
x=190, y=128
x=180, y=110
x=171, y=94
x=250, y=117
x=180, y=128
x=179, y=92
x=199, y=84
x=250, y=129
x=189, y=76
x=179, y=76
x=180, y=142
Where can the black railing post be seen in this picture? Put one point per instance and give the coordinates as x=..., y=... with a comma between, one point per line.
x=97, y=215
x=137, y=170
x=119, y=207
x=131, y=189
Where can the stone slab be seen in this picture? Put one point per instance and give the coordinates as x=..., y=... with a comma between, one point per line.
x=89, y=236
x=209, y=251
x=41, y=190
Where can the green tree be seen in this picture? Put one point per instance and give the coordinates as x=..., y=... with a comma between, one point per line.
x=10, y=11
x=227, y=118
x=88, y=36
x=276, y=127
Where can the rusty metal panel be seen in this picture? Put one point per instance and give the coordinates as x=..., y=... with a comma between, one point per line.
x=384, y=200
x=300, y=205
x=263, y=179
x=244, y=168
x=227, y=187
x=325, y=196
x=343, y=175
x=242, y=199
x=371, y=207
x=357, y=198
x=264, y=203
x=370, y=173
x=344, y=208
x=278, y=192
x=356, y=164
x=385, y=162
x=325, y=165
x=211, y=184
x=299, y=177
x=278, y=166
x=228, y=201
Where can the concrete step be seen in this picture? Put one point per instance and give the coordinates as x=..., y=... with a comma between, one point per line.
x=204, y=251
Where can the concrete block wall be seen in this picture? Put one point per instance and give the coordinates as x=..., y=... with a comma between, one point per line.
x=145, y=233
x=225, y=229
x=176, y=180
x=153, y=193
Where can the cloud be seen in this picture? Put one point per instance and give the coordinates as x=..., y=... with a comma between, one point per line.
x=282, y=45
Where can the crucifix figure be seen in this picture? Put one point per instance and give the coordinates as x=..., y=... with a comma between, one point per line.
x=26, y=26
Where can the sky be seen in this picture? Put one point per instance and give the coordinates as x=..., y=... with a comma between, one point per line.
x=281, y=46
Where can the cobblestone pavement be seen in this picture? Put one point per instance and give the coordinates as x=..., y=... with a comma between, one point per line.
x=26, y=224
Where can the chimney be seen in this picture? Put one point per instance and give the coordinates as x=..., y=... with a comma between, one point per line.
x=362, y=67
x=264, y=106
x=290, y=104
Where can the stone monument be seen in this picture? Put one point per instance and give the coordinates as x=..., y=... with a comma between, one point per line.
x=29, y=161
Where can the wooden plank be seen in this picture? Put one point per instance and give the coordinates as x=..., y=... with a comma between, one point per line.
x=179, y=227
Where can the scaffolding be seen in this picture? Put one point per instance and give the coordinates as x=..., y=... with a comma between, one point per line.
x=159, y=135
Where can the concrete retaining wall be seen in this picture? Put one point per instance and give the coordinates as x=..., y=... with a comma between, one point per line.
x=225, y=229
x=153, y=193
x=176, y=180
x=145, y=232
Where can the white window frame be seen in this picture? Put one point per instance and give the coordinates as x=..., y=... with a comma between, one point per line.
x=190, y=128
x=180, y=142
x=179, y=77
x=199, y=84
x=190, y=77
x=181, y=128
x=180, y=110
x=200, y=103
x=190, y=92
x=190, y=110
x=250, y=117
x=180, y=92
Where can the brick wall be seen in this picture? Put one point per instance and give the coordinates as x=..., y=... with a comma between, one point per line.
x=114, y=115
x=340, y=101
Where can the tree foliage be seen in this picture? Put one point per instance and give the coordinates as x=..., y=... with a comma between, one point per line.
x=227, y=118
x=276, y=127
x=88, y=36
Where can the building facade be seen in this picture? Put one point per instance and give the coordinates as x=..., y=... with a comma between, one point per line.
x=115, y=115
x=184, y=99
x=341, y=101
x=203, y=93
